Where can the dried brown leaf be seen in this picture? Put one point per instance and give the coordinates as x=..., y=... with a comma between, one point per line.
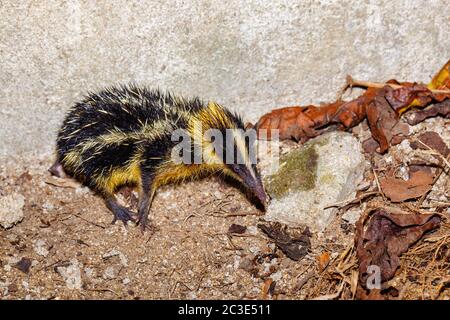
x=294, y=246
x=23, y=265
x=266, y=288
x=433, y=140
x=237, y=229
x=382, y=237
x=419, y=183
x=382, y=106
x=323, y=260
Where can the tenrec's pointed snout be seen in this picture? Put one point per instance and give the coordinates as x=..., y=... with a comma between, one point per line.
x=256, y=187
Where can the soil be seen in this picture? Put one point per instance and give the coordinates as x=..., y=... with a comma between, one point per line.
x=187, y=254
x=76, y=253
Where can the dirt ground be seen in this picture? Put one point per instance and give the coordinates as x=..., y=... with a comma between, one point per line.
x=189, y=255
x=66, y=248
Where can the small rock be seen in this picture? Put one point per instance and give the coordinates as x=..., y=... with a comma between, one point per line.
x=25, y=285
x=253, y=230
x=11, y=210
x=81, y=190
x=403, y=172
x=5, y=286
x=47, y=206
x=12, y=288
x=114, y=252
x=192, y=296
x=12, y=238
x=324, y=171
x=110, y=273
x=71, y=274
x=351, y=216
x=269, y=266
x=364, y=185
x=218, y=194
x=13, y=259
x=40, y=247
x=246, y=264
x=89, y=272
x=165, y=194
x=126, y=281
x=276, y=276
x=255, y=250
x=237, y=262
x=23, y=265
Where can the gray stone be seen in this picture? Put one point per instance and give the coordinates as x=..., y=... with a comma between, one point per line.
x=113, y=253
x=246, y=264
x=324, y=171
x=11, y=209
x=4, y=287
x=110, y=273
x=40, y=247
x=71, y=274
x=352, y=215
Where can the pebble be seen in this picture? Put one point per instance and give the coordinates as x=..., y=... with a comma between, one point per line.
x=11, y=210
x=110, y=273
x=40, y=247
x=71, y=274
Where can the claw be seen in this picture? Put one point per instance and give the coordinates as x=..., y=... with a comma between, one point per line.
x=124, y=216
x=120, y=213
x=144, y=224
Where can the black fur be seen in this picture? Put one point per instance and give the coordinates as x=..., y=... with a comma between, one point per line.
x=125, y=109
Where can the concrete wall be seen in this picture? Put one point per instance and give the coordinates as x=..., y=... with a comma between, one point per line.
x=249, y=55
